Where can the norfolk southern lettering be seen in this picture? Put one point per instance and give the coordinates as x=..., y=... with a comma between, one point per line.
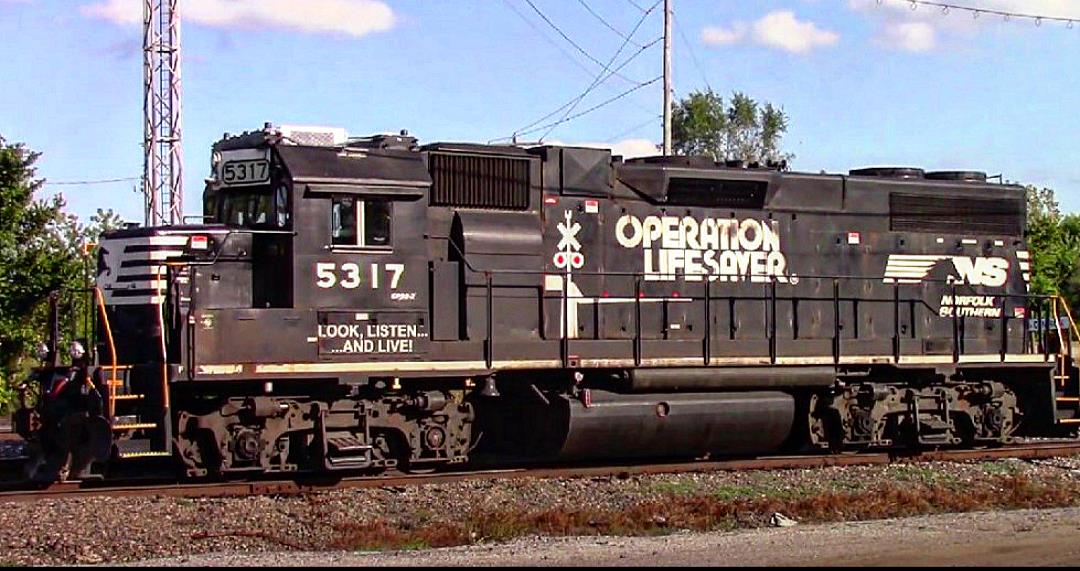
x=724, y=249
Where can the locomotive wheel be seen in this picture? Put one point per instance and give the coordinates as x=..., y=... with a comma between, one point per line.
x=395, y=445
x=48, y=462
x=421, y=470
x=68, y=451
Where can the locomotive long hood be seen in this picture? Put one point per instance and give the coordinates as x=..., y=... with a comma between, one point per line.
x=653, y=181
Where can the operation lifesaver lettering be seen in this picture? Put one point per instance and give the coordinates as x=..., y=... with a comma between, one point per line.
x=717, y=249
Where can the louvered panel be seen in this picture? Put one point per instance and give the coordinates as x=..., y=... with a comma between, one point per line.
x=959, y=215
x=470, y=181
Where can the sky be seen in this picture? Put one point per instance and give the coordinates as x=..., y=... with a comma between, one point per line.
x=864, y=82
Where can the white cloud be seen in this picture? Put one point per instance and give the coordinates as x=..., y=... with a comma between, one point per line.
x=779, y=30
x=909, y=36
x=118, y=11
x=631, y=148
x=720, y=36
x=351, y=17
x=782, y=30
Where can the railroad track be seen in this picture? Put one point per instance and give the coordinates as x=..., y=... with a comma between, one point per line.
x=313, y=485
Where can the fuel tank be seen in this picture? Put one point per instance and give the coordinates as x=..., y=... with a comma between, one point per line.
x=726, y=378
x=607, y=425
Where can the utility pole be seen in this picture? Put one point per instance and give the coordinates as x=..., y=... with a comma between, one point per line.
x=163, y=158
x=667, y=77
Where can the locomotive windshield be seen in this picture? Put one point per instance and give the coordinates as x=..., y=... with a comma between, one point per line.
x=258, y=207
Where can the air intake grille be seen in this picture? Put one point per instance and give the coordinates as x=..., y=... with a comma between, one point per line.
x=717, y=193
x=960, y=215
x=470, y=181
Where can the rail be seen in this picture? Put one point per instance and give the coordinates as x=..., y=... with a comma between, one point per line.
x=166, y=486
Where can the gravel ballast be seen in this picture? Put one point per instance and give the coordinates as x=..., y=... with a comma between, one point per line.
x=130, y=529
x=1004, y=539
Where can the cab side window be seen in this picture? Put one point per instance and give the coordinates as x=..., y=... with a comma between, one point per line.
x=360, y=223
x=376, y=217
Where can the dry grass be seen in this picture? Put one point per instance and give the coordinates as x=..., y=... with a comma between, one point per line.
x=709, y=512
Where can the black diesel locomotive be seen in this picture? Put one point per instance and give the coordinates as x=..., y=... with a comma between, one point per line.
x=372, y=304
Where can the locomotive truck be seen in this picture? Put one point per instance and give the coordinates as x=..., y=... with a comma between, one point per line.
x=371, y=304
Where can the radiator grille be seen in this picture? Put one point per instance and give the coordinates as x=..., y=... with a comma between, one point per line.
x=470, y=181
x=956, y=215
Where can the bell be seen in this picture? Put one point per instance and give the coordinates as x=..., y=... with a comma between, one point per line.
x=489, y=389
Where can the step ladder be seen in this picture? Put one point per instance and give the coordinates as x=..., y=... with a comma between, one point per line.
x=1066, y=372
x=136, y=402
x=139, y=421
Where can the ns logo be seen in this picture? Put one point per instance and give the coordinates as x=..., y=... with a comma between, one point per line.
x=967, y=270
x=990, y=272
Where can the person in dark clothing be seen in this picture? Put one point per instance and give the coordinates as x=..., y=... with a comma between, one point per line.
x=74, y=431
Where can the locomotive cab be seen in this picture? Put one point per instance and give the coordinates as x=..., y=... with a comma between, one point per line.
x=360, y=249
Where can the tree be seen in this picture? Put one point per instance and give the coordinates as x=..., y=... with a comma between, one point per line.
x=41, y=250
x=1054, y=242
x=742, y=130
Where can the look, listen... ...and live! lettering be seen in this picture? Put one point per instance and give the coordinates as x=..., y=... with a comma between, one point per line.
x=371, y=338
x=720, y=249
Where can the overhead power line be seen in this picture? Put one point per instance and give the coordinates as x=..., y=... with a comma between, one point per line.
x=693, y=53
x=976, y=12
x=651, y=121
x=607, y=24
x=569, y=40
x=568, y=56
x=573, y=102
x=90, y=182
x=577, y=100
x=601, y=77
x=593, y=108
x=554, y=44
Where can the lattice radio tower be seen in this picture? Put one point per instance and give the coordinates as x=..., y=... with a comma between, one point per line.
x=163, y=156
